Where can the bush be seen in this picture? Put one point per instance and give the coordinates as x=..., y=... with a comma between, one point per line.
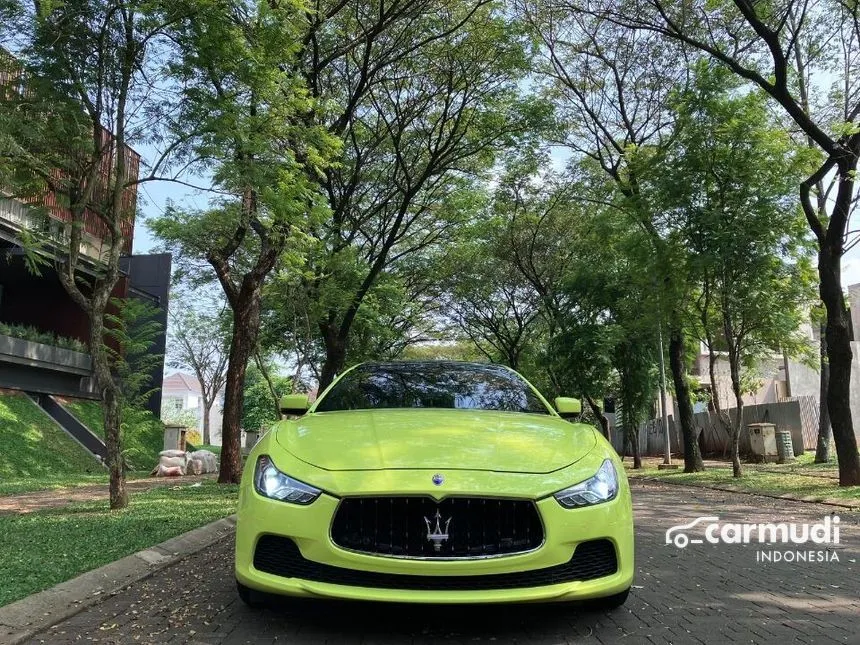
x=142, y=432
x=25, y=332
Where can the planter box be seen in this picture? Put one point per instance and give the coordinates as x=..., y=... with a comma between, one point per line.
x=39, y=355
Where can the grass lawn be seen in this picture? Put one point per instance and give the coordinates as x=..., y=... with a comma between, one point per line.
x=143, y=434
x=41, y=549
x=33, y=447
x=801, y=480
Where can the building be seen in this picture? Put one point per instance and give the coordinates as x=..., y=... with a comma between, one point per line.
x=182, y=397
x=43, y=333
x=774, y=379
x=782, y=391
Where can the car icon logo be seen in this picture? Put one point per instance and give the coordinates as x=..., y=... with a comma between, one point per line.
x=438, y=479
x=676, y=536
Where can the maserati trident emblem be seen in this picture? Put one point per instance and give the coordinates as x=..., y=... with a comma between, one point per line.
x=438, y=479
x=436, y=534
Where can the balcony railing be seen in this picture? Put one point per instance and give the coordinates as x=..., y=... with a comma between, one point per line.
x=13, y=84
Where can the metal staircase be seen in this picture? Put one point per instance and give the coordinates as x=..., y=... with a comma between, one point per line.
x=63, y=418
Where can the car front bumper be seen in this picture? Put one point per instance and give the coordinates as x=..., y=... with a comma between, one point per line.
x=308, y=527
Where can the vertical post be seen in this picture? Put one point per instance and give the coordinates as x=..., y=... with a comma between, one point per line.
x=787, y=372
x=667, y=456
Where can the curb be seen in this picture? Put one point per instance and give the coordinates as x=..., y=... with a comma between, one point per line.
x=741, y=491
x=23, y=619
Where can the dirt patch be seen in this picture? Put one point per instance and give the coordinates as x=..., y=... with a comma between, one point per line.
x=59, y=497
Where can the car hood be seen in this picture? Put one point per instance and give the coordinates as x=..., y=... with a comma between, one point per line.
x=443, y=439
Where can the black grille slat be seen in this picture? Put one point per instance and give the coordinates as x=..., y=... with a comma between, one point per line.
x=479, y=526
x=281, y=557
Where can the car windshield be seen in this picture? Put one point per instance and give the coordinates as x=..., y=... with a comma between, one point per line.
x=460, y=386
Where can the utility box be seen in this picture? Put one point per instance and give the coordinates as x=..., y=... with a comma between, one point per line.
x=251, y=439
x=763, y=441
x=174, y=437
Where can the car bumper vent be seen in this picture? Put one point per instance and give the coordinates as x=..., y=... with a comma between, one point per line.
x=421, y=527
x=281, y=557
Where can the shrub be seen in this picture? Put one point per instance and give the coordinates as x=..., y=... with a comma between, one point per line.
x=26, y=332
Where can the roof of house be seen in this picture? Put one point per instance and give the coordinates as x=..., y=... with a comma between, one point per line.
x=181, y=382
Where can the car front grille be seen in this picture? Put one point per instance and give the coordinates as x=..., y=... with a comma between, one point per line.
x=421, y=527
x=280, y=556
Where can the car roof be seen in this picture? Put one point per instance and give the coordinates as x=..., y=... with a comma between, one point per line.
x=418, y=364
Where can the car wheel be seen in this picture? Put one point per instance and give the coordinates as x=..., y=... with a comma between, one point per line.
x=611, y=602
x=249, y=596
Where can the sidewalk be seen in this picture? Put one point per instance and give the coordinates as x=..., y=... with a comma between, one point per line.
x=795, y=481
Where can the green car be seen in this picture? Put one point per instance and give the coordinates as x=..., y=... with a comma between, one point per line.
x=434, y=482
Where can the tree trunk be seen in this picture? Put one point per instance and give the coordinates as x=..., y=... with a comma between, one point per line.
x=734, y=368
x=111, y=408
x=629, y=418
x=113, y=443
x=839, y=361
x=207, y=406
x=822, y=448
x=264, y=371
x=335, y=356
x=632, y=433
x=598, y=413
x=246, y=324
x=692, y=454
x=722, y=416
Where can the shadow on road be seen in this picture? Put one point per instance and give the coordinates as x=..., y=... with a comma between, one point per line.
x=346, y=620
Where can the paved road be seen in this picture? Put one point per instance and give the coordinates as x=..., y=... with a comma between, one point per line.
x=702, y=594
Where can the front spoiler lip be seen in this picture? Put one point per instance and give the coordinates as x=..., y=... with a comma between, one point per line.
x=561, y=592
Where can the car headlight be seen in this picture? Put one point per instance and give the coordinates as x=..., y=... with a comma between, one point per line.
x=603, y=487
x=272, y=483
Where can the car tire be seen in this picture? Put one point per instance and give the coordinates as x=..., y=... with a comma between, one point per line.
x=250, y=597
x=611, y=602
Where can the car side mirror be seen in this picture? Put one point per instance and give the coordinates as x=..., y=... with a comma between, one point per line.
x=568, y=407
x=295, y=404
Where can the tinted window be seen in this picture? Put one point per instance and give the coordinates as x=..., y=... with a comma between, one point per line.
x=432, y=385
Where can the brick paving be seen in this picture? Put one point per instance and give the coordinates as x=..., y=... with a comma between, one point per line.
x=702, y=594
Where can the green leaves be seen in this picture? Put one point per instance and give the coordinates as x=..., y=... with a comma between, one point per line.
x=729, y=187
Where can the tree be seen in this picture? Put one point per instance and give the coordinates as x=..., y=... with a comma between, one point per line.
x=87, y=76
x=610, y=288
x=400, y=310
x=727, y=183
x=825, y=432
x=610, y=91
x=199, y=334
x=779, y=47
x=490, y=301
x=255, y=127
x=545, y=227
x=581, y=273
x=132, y=327
x=424, y=99
x=259, y=409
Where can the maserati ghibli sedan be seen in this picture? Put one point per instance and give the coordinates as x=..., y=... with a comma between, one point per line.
x=434, y=482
